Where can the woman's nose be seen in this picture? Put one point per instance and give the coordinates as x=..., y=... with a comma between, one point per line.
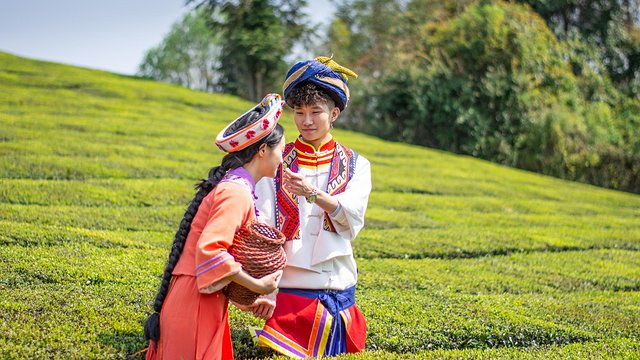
x=307, y=120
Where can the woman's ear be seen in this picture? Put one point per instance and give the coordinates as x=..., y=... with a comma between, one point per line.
x=262, y=150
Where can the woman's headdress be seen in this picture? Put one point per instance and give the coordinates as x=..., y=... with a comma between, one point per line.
x=235, y=137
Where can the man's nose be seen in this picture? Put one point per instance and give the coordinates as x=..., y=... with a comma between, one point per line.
x=307, y=120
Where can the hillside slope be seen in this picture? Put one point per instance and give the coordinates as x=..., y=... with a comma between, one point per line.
x=460, y=258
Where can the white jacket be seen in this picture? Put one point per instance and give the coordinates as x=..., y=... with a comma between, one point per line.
x=321, y=259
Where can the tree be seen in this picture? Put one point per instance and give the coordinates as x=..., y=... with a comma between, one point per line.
x=480, y=77
x=494, y=82
x=256, y=37
x=373, y=37
x=611, y=26
x=189, y=55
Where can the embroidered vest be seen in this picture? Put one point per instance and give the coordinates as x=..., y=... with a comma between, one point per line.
x=287, y=213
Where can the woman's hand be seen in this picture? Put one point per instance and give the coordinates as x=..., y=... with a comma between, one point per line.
x=264, y=285
x=268, y=284
x=263, y=308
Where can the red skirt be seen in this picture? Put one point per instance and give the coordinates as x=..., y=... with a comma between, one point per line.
x=309, y=323
x=192, y=325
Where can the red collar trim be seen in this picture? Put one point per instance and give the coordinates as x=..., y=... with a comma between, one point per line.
x=309, y=157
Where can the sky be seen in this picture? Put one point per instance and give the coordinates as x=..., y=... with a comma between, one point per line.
x=110, y=35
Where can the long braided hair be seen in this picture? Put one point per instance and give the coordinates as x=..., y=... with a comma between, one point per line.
x=229, y=162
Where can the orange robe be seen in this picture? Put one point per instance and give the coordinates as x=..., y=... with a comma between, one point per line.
x=195, y=325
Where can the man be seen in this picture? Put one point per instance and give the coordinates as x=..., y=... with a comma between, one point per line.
x=318, y=200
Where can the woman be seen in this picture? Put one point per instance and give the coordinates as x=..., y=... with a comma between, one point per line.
x=191, y=319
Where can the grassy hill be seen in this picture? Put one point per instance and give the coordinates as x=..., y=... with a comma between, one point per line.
x=460, y=258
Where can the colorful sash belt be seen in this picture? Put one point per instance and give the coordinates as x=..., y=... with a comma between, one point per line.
x=315, y=323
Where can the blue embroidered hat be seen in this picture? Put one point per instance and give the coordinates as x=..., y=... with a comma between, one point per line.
x=325, y=73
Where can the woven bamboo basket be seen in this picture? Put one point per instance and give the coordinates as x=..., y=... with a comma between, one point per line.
x=258, y=247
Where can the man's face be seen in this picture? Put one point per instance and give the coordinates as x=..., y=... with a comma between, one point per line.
x=314, y=121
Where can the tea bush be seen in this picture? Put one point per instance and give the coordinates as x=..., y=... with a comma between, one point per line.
x=460, y=258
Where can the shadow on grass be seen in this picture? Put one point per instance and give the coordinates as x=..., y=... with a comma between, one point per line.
x=474, y=254
x=127, y=344
x=456, y=340
x=244, y=346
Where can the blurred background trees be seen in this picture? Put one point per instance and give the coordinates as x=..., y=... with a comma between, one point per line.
x=610, y=26
x=248, y=41
x=189, y=55
x=256, y=37
x=547, y=86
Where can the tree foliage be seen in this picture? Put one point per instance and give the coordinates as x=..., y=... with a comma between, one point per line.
x=481, y=75
x=256, y=36
x=376, y=36
x=608, y=25
x=188, y=55
x=496, y=83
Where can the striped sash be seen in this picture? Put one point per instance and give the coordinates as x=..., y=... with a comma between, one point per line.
x=315, y=323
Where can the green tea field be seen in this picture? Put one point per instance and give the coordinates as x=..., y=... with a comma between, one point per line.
x=460, y=258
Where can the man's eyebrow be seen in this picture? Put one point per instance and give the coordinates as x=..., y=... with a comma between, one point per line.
x=313, y=107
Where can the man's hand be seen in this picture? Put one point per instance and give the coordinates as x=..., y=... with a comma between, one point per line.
x=296, y=183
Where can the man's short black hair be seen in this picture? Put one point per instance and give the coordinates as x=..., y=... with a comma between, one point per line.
x=308, y=93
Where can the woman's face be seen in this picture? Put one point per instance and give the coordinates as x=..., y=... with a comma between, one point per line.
x=272, y=159
x=314, y=121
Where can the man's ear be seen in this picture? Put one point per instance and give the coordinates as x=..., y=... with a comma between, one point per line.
x=335, y=113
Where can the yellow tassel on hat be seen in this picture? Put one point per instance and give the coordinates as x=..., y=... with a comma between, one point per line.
x=343, y=71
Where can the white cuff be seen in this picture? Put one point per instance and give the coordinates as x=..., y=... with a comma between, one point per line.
x=336, y=211
x=339, y=216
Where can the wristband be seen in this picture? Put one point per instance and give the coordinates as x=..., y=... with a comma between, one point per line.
x=313, y=197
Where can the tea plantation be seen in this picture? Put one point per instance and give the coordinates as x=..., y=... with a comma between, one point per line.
x=460, y=258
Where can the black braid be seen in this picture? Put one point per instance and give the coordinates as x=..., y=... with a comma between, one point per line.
x=152, y=325
x=229, y=162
